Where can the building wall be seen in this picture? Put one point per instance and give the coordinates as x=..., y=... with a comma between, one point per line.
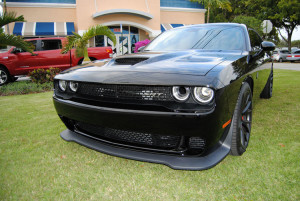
x=181, y=17
x=45, y=15
x=84, y=10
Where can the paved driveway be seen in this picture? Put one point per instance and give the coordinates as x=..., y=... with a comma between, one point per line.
x=287, y=66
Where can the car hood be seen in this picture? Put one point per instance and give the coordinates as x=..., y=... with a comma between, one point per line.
x=151, y=67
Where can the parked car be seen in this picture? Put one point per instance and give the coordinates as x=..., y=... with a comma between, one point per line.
x=295, y=56
x=47, y=53
x=280, y=55
x=185, y=101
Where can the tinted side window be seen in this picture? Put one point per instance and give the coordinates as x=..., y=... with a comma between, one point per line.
x=51, y=45
x=255, y=40
x=33, y=42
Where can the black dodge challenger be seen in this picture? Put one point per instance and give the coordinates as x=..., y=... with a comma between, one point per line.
x=185, y=100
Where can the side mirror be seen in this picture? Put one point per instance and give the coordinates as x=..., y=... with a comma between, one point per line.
x=16, y=50
x=141, y=48
x=268, y=46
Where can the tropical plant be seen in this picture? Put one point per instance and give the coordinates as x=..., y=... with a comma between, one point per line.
x=80, y=42
x=223, y=4
x=12, y=40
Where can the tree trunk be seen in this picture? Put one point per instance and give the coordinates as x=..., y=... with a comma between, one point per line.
x=290, y=41
x=207, y=15
x=86, y=55
x=5, y=11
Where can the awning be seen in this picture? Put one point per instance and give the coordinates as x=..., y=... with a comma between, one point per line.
x=43, y=28
x=165, y=27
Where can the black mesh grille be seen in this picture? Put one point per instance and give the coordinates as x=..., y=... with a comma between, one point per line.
x=130, y=137
x=130, y=92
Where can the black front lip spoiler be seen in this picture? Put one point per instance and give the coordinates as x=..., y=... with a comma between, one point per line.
x=174, y=162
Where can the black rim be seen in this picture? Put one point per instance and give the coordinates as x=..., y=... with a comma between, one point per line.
x=3, y=76
x=246, y=119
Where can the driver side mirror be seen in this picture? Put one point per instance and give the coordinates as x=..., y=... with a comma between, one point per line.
x=268, y=46
x=16, y=50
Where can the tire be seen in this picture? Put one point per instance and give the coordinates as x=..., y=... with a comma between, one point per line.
x=4, y=76
x=280, y=60
x=268, y=90
x=242, y=120
x=80, y=61
x=13, y=78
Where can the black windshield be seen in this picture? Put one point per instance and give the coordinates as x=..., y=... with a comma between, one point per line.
x=210, y=38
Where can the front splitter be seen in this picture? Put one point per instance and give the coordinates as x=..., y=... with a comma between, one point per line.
x=174, y=162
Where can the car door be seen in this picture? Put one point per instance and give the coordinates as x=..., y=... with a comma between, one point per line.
x=50, y=54
x=23, y=61
x=257, y=63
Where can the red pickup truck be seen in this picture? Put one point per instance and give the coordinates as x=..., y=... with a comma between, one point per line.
x=14, y=61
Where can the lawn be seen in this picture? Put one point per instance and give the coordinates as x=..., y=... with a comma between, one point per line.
x=36, y=164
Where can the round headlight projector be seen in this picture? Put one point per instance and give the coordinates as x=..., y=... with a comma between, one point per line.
x=74, y=86
x=62, y=85
x=181, y=93
x=203, y=94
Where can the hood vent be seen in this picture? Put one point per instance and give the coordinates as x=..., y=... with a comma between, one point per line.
x=130, y=60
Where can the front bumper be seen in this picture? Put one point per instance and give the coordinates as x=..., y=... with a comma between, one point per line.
x=162, y=123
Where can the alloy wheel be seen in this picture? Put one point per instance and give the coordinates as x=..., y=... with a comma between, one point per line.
x=3, y=77
x=246, y=119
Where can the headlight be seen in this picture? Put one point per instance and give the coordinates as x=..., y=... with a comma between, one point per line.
x=181, y=93
x=203, y=94
x=74, y=86
x=62, y=85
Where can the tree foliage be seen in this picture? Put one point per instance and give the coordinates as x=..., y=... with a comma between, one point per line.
x=222, y=4
x=250, y=22
x=80, y=42
x=12, y=40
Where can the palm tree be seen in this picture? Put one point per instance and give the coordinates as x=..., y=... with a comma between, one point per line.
x=80, y=42
x=223, y=4
x=12, y=40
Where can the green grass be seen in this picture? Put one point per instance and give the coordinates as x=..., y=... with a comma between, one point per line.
x=24, y=87
x=36, y=164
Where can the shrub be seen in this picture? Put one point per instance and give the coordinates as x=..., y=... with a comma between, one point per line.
x=41, y=76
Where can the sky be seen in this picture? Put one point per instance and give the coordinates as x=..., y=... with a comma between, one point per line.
x=296, y=33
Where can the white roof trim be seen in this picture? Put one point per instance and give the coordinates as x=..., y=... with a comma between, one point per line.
x=196, y=10
x=139, y=13
x=39, y=5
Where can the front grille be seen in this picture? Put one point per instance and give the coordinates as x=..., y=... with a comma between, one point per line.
x=130, y=137
x=129, y=92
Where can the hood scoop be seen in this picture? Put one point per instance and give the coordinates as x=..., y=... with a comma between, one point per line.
x=130, y=60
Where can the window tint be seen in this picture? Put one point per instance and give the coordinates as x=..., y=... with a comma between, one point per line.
x=297, y=52
x=51, y=45
x=285, y=52
x=210, y=38
x=99, y=41
x=255, y=40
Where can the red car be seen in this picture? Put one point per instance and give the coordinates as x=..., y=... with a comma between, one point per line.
x=47, y=54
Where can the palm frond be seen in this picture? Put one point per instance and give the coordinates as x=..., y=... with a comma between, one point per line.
x=99, y=30
x=9, y=17
x=72, y=42
x=16, y=41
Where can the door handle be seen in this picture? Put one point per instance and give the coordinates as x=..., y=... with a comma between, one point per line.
x=34, y=54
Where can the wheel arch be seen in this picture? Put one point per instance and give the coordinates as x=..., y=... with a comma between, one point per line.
x=250, y=81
